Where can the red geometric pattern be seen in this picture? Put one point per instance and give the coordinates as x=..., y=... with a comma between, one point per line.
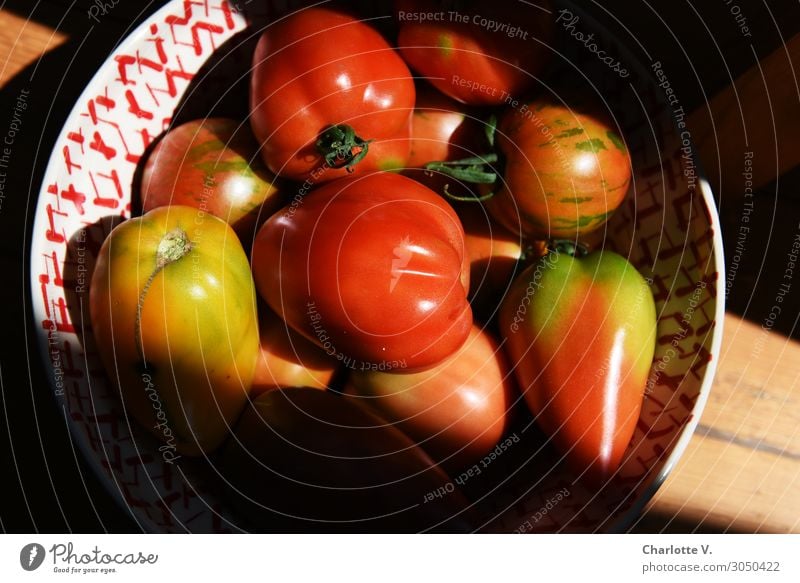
x=665, y=229
x=89, y=178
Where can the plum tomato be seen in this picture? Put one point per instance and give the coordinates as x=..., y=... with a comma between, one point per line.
x=457, y=411
x=581, y=336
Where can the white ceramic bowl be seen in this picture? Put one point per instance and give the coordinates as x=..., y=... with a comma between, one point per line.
x=668, y=228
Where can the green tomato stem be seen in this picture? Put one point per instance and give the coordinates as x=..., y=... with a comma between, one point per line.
x=341, y=147
x=172, y=247
x=569, y=247
x=473, y=170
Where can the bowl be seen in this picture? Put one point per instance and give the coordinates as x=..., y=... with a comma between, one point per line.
x=189, y=60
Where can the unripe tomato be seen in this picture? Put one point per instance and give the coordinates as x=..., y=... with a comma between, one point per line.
x=456, y=411
x=213, y=165
x=371, y=268
x=581, y=336
x=174, y=317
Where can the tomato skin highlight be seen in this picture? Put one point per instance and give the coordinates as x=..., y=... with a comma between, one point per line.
x=565, y=172
x=469, y=62
x=287, y=359
x=310, y=460
x=456, y=411
x=371, y=268
x=581, y=337
x=319, y=68
x=194, y=353
x=213, y=165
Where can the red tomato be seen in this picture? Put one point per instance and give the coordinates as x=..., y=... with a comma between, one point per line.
x=565, y=172
x=441, y=129
x=581, y=336
x=212, y=165
x=456, y=411
x=307, y=460
x=372, y=268
x=287, y=359
x=495, y=255
x=328, y=94
x=487, y=53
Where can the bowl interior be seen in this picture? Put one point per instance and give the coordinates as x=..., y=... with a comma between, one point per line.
x=188, y=62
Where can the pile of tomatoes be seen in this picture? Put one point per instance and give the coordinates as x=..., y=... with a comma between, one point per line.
x=342, y=297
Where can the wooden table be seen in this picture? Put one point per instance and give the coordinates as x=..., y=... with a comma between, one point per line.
x=741, y=471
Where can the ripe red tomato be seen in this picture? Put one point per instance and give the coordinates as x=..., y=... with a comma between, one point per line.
x=441, y=129
x=287, y=359
x=457, y=411
x=328, y=94
x=481, y=56
x=372, y=268
x=495, y=256
x=581, y=337
x=565, y=172
x=308, y=460
x=213, y=165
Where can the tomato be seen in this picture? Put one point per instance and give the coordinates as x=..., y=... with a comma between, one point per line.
x=581, y=336
x=565, y=172
x=173, y=313
x=482, y=54
x=306, y=460
x=456, y=411
x=495, y=256
x=287, y=359
x=441, y=129
x=213, y=165
x=329, y=95
x=372, y=268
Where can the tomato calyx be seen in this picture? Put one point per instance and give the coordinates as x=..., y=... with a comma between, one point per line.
x=172, y=247
x=341, y=147
x=474, y=170
x=568, y=247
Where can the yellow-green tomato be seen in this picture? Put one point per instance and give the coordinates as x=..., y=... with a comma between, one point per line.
x=173, y=311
